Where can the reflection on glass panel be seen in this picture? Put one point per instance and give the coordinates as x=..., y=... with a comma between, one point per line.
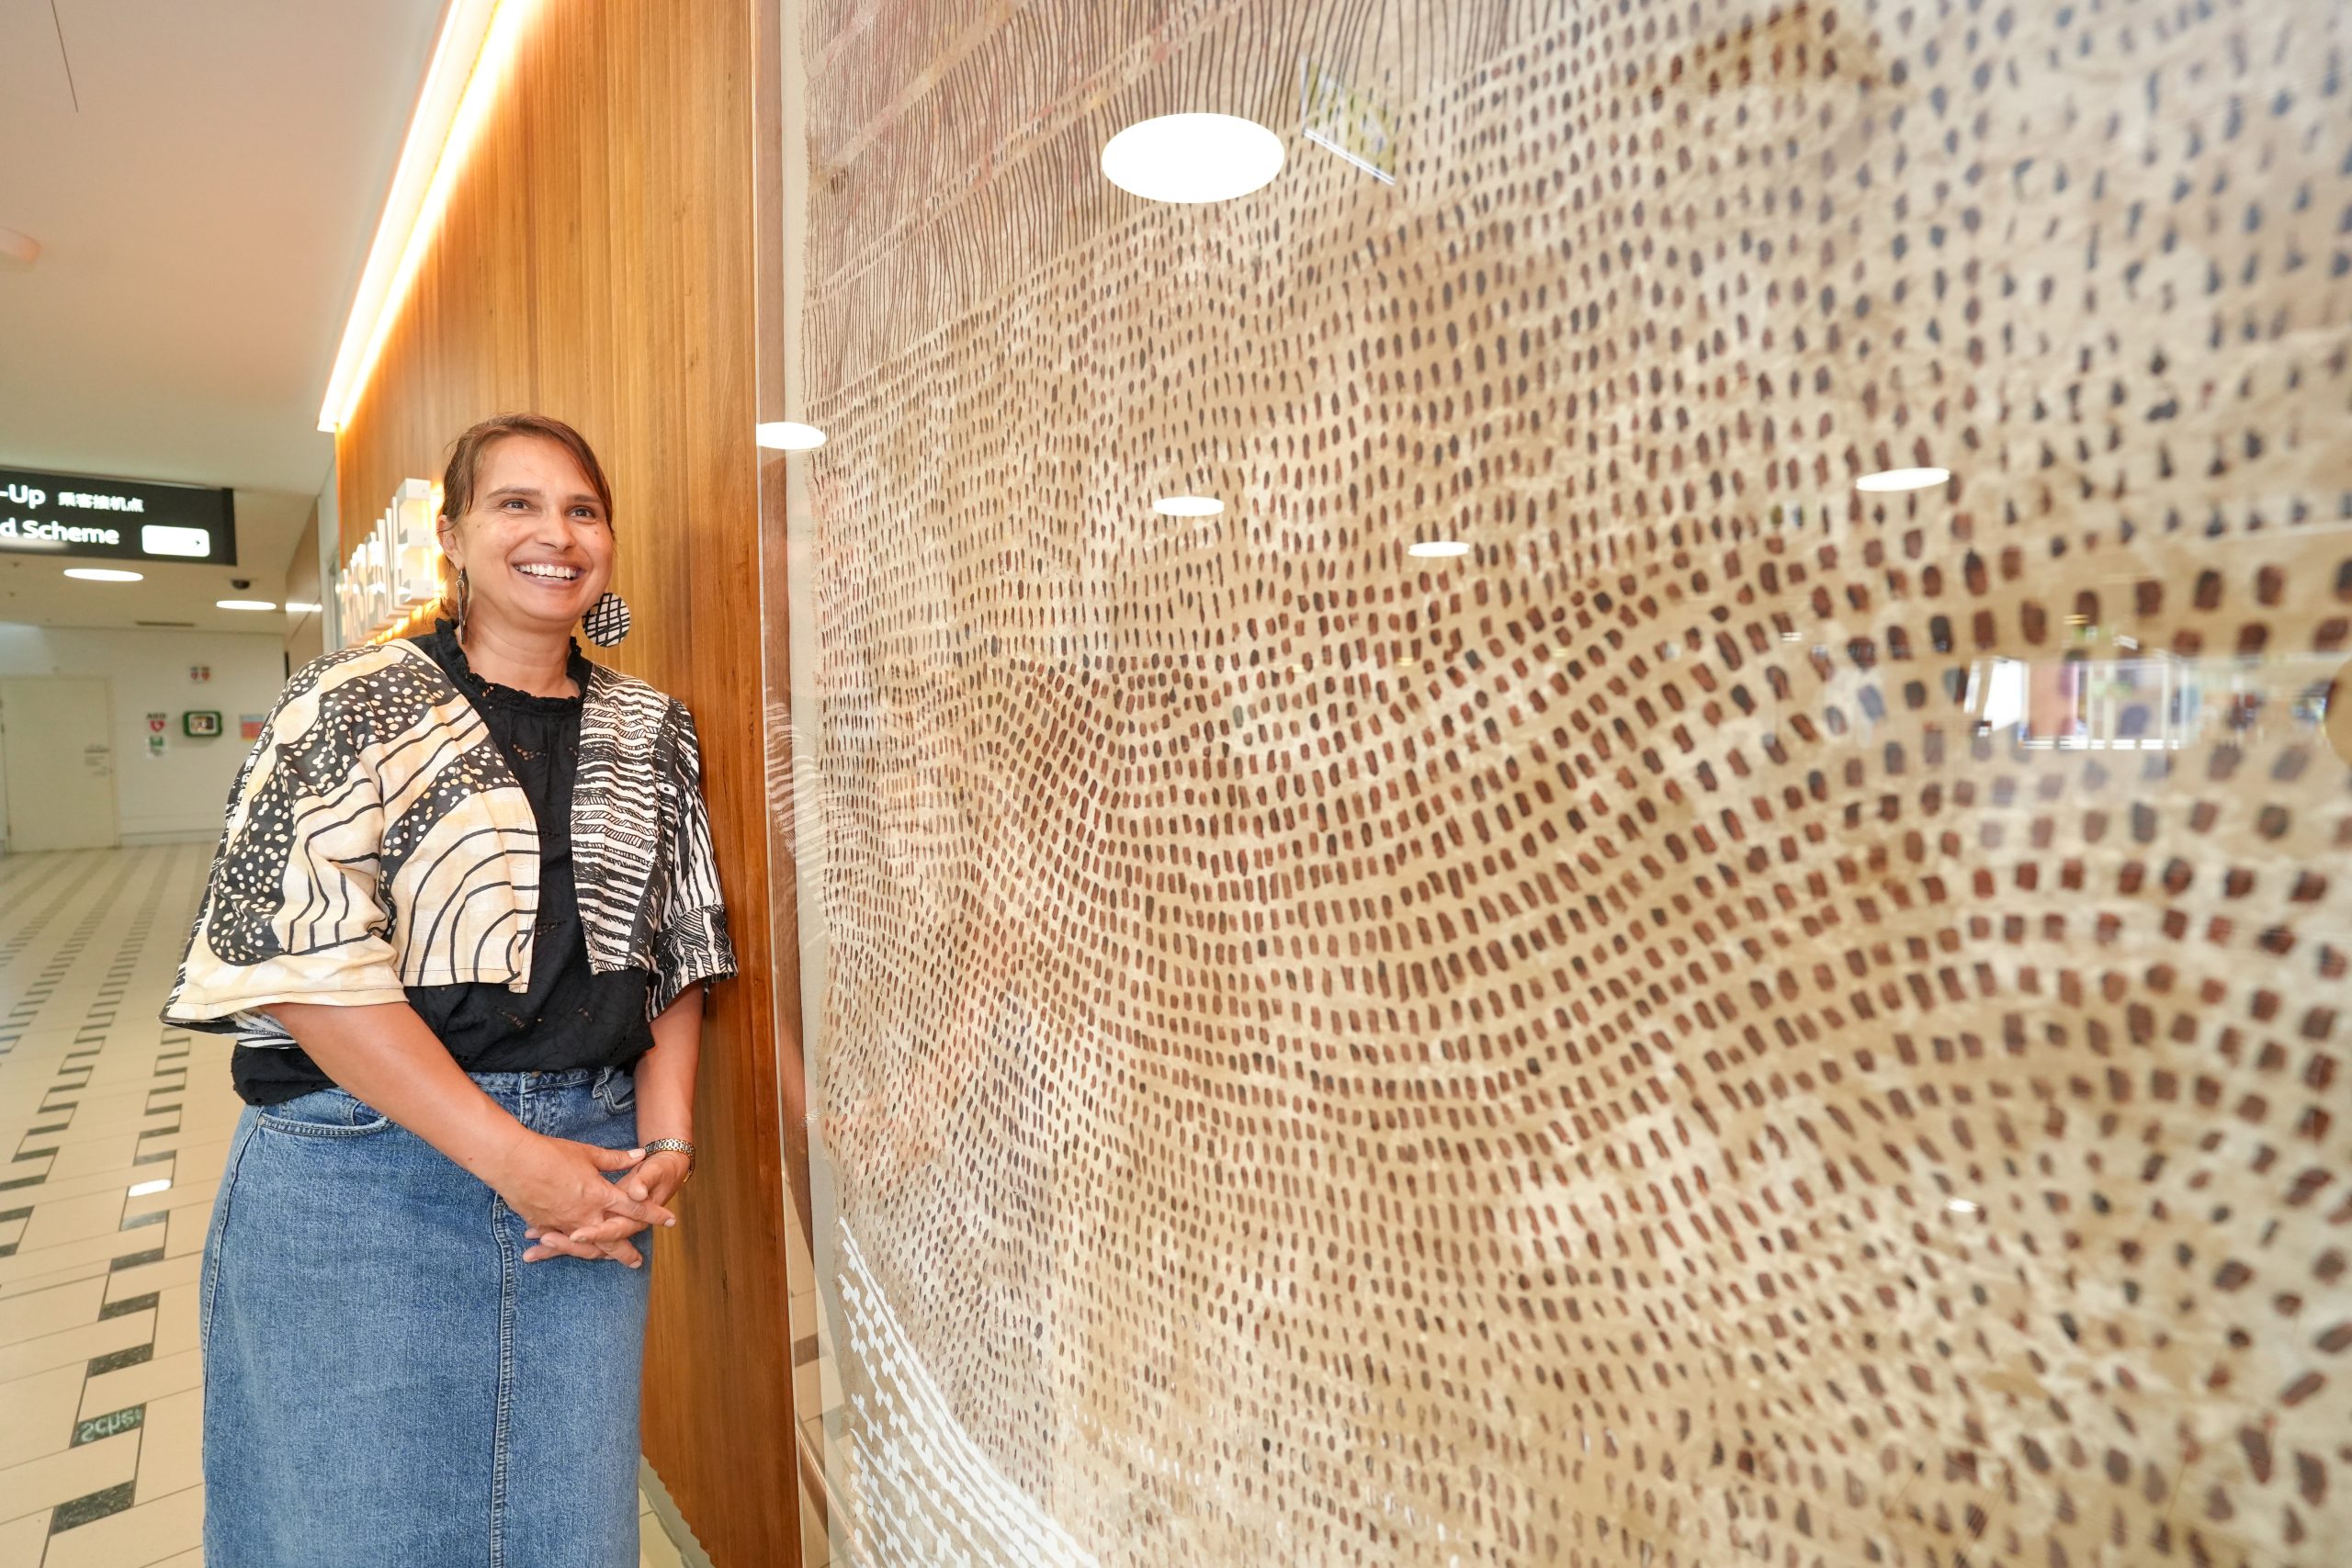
x=1599, y=825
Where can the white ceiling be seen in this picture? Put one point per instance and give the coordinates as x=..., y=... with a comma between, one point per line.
x=204, y=213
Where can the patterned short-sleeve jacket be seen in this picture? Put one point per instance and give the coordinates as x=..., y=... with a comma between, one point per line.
x=377, y=840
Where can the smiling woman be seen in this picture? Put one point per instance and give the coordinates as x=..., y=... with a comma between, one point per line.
x=526, y=532
x=460, y=924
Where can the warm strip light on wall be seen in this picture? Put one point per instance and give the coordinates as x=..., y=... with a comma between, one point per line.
x=471, y=62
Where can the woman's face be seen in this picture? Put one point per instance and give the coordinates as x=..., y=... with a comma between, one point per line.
x=535, y=544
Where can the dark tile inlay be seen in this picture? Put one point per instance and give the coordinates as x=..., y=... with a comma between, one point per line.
x=114, y=1362
x=133, y=1259
x=153, y=1217
x=128, y=1305
x=109, y=1424
x=96, y=1505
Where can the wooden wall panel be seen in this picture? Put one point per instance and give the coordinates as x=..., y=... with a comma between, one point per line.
x=595, y=265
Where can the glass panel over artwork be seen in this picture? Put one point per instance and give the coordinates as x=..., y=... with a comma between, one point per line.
x=1573, y=788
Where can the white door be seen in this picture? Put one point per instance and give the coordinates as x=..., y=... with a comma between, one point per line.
x=58, y=735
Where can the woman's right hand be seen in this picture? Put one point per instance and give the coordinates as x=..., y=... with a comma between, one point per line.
x=561, y=1186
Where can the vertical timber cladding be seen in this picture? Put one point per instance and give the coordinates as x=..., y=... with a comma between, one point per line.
x=1586, y=1052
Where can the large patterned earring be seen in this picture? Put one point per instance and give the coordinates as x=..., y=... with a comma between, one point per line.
x=607, y=621
x=465, y=593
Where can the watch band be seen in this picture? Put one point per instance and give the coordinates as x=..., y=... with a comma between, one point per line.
x=674, y=1145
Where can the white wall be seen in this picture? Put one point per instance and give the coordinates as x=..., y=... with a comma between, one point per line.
x=180, y=795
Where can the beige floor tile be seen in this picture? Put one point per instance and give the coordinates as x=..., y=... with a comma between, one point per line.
x=38, y=1413
x=45, y=1043
x=144, y=1534
x=207, y=1157
x=170, y=1451
x=22, y=1541
x=176, y=1320
x=76, y=1132
x=66, y=1257
x=117, y=1179
x=71, y=1219
x=99, y=1157
x=61, y=1477
x=142, y=1384
x=185, y=1560
x=35, y=1284
x=51, y=1311
x=27, y=1357
x=124, y=1283
x=186, y=1228
x=654, y=1549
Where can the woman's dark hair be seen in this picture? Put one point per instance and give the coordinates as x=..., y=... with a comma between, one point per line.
x=464, y=471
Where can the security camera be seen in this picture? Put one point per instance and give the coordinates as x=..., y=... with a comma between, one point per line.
x=241, y=582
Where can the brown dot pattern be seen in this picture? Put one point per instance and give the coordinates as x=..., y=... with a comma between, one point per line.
x=1622, y=1047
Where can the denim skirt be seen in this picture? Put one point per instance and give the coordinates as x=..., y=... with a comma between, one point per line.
x=385, y=1380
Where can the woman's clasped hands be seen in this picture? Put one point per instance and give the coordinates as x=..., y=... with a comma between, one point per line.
x=580, y=1200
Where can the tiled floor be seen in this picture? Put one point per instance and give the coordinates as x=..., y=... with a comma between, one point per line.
x=112, y=1134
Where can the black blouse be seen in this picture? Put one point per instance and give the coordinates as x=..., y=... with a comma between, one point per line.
x=570, y=1017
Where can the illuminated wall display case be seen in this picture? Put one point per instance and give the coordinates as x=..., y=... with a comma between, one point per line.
x=393, y=574
x=1566, y=798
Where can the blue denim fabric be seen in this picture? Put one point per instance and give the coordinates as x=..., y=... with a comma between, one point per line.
x=385, y=1380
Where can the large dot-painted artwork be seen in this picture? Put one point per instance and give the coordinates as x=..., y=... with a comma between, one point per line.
x=1736, y=1021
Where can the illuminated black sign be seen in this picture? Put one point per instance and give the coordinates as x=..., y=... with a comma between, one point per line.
x=68, y=514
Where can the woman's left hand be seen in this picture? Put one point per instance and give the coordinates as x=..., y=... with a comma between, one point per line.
x=658, y=1177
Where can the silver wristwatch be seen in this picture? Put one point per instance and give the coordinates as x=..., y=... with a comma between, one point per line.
x=675, y=1145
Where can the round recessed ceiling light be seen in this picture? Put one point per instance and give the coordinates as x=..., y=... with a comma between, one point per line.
x=1188, y=506
x=1434, y=548
x=1193, y=157
x=785, y=435
x=1903, y=479
x=244, y=605
x=18, y=250
x=104, y=574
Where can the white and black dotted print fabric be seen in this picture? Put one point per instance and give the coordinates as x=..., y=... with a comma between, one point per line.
x=311, y=779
